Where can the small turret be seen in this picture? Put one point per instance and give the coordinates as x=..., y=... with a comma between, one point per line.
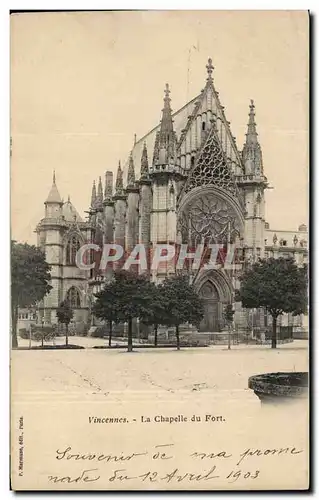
x=54, y=195
x=53, y=203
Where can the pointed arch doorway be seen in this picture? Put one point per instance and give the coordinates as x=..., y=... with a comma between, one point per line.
x=211, y=302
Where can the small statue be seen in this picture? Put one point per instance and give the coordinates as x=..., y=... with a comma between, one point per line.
x=275, y=239
x=295, y=240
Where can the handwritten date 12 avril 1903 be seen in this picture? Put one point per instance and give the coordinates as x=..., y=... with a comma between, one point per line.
x=240, y=469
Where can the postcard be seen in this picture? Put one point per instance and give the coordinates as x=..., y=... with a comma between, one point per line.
x=159, y=280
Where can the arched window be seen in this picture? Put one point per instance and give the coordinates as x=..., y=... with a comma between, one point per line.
x=71, y=249
x=73, y=298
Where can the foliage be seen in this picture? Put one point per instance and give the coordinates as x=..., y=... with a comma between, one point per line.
x=39, y=333
x=156, y=310
x=181, y=303
x=278, y=285
x=107, y=304
x=30, y=277
x=43, y=334
x=228, y=313
x=126, y=297
x=65, y=314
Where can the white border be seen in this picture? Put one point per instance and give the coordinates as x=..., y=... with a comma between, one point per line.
x=5, y=6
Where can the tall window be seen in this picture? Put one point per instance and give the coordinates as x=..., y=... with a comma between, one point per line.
x=71, y=249
x=73, y=297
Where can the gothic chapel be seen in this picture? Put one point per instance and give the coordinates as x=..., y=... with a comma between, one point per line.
x=186, y=182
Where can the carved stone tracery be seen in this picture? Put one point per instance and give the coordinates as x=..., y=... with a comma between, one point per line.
x=212, y=167
x=209, y=219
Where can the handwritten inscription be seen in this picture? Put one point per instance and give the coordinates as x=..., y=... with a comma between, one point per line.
x=240, y=465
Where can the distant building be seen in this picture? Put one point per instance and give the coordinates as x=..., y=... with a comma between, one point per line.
x=26, y=317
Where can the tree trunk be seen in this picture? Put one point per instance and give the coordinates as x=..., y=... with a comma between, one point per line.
x=177, y=338
x=110, y=332
x=66, y=334
x=274, y=333
x=130, y=336
x=14, y=324
x=42, y=339
x=155, y=335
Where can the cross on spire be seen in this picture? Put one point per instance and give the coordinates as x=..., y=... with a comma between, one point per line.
x=209, y=67
x=167, y=91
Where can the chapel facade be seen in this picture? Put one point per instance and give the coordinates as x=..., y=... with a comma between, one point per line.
x=185, y=182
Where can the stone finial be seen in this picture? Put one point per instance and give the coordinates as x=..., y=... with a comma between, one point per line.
x=108, y=190
x=119, y=181
x=93, y=195
x=131, y=172
x=144, y=162
x=100, y=191
x=251, y=136
x=209, y=67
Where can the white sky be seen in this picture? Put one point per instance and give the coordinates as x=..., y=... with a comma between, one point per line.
x=83, y=83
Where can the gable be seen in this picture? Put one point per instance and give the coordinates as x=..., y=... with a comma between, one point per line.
x=208, y=110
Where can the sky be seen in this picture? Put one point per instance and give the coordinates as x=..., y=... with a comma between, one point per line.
x=82, y=84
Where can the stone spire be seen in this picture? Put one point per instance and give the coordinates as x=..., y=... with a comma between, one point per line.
x=251, y=136
x=165, y=141
x=99, y=198
x=251, y=154
x=54, y=195
x=167, y=121
x=93, y=195
x=131, y=172
x=108, y=191
x=119, y=182
x=144, y=162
